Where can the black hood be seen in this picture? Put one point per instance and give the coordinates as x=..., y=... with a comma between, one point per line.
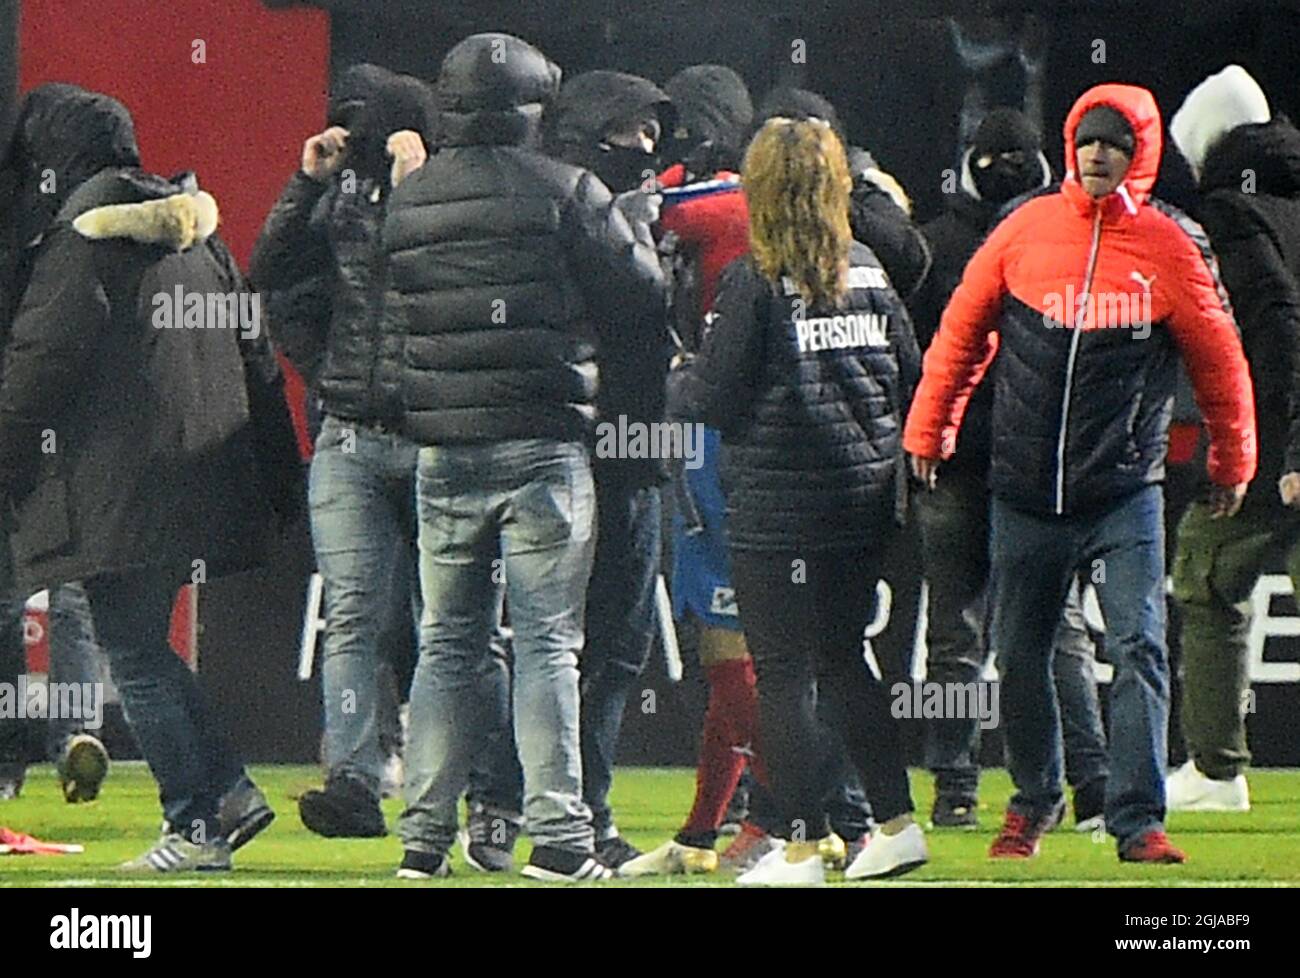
x=799, y=103
x=1270, y=149
x=64, y=135
x=587, y=106
x=404, y=102
x=714, y=112
x=492, y=90
x=355, y=87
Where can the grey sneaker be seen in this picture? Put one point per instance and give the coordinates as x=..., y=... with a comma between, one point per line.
x=176, y=854
x=82, y=768
x=488, y=840
x=242, y=813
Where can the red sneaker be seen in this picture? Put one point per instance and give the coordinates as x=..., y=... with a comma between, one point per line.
x=1152, y=847
x=1019, y=837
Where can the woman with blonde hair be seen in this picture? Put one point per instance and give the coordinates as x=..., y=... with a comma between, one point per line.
x=807, y=368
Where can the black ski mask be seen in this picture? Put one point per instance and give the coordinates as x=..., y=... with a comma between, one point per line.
x=623, y=168
x=1005, y=159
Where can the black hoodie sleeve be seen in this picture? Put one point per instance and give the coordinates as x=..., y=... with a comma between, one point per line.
x=718, y=387
x=619, y=274
x=60, y=321
x=1266, y=300
x=884, y=227
x=289, y=248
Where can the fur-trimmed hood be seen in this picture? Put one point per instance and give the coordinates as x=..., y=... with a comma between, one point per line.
x=144, y=208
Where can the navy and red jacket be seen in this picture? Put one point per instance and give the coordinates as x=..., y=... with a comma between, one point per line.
x=1087, y=303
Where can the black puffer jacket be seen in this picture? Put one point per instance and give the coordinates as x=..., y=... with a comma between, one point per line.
x=508, y=267
x=323, y=238
x=1256, y=236
x=811, y=411
x=632, y=374
x=124, y=444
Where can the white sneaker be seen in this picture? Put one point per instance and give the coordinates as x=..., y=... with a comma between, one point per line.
x=1188, y=790
x=774, y=870
x=671, y=859
x=890, y=855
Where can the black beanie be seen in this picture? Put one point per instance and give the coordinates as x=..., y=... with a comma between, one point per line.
x=1107, y=124
x=1006, y=131
x=799, y=103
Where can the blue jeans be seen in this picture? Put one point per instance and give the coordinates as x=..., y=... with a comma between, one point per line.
x=74, y=655
x=954, y=523
x=620, y=628
x=187, y=749
x=508, y=520
x=362, y=497
x=1034, y=559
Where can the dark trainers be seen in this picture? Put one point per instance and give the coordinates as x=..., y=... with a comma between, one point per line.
x=488, y=840
x=344, y=809
x=11, y=781
x=242, y=813
x=952, y=812
x=82, y=767
x=423, y=866
x=1151, y=847
x=564, y=866
x=1090, y=805
x=615, y=851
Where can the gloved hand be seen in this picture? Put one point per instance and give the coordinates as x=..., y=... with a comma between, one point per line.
x=640, y=207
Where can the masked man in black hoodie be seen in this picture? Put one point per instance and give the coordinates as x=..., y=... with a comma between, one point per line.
x=326, y=228
x=139, y=453
x=514, y=274
x=1247, y=164
x=611, y=124
x=1004, y=161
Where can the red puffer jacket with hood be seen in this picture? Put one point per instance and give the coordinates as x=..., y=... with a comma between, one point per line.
x=1086, y=303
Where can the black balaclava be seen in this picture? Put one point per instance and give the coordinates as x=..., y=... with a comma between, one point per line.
x=403, y=102
x=589, y=107
x=999, y=180
x=714, y=118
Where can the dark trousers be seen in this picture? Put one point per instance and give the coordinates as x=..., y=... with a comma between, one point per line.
x=13, y=663
x=805, y=615
x=187, y=749
x=954, y=524
x=620, y=627
x=1034, y=560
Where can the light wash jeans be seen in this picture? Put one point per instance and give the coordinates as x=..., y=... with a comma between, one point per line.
x=510, y=520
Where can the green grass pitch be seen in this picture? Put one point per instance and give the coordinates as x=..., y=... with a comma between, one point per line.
x=1260, y=848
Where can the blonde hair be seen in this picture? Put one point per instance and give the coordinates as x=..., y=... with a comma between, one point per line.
x=797, y=182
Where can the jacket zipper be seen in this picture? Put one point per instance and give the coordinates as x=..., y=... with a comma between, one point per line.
x=1079, y=318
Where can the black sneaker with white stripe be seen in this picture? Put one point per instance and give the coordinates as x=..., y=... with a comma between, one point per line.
x=423, y=866
x=552, y=865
